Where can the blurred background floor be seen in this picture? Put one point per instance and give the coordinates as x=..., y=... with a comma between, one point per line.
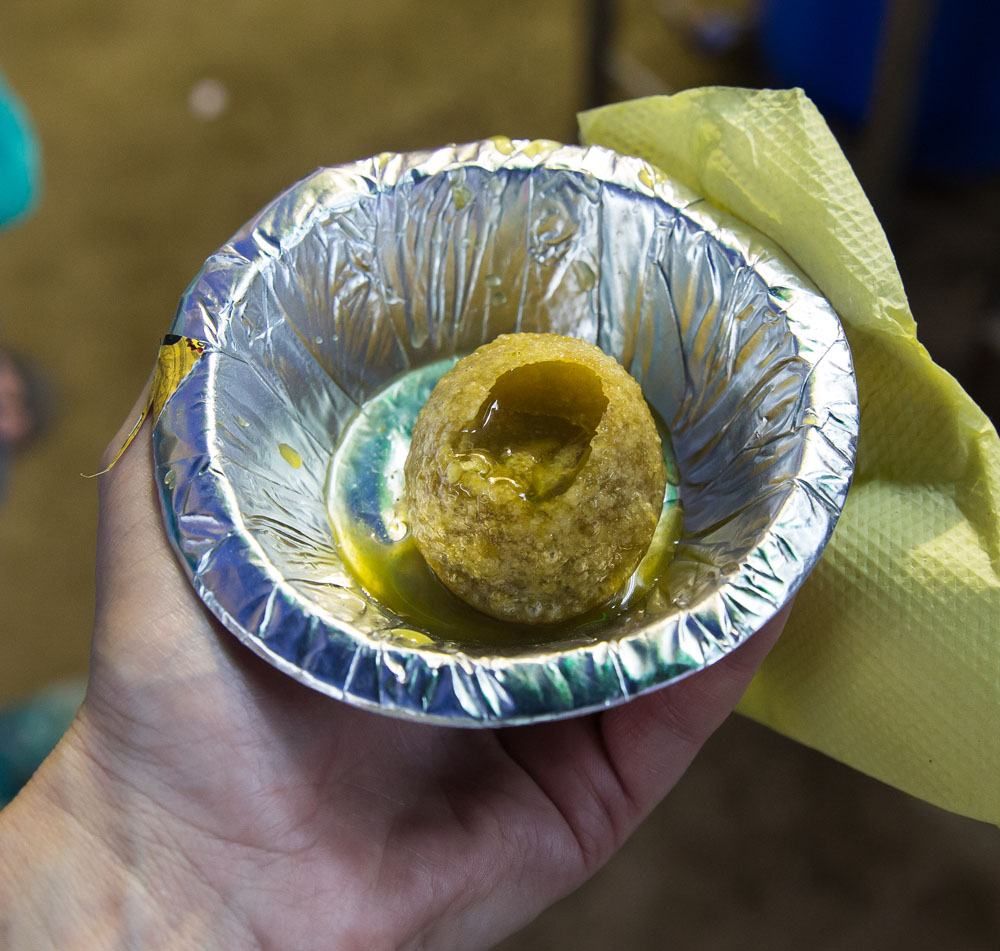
x=165, y=126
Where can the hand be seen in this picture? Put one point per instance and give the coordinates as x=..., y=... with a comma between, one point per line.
x=203, y=799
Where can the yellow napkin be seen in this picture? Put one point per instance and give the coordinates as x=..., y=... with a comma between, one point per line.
x=891, y=660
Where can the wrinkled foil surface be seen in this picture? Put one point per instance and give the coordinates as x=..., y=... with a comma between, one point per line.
x=360, y=273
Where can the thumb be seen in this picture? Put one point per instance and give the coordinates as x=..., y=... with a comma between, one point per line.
x=133, y=556
x=653, y=739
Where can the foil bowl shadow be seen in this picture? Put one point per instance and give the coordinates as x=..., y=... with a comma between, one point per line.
x=362, y=273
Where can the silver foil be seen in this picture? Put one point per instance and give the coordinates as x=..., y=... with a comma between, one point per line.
x=360, y=273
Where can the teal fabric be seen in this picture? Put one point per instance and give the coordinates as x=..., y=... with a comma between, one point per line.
x=29, y=731
x=19, y=162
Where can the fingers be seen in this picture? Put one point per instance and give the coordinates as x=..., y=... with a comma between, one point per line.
x=653, y=739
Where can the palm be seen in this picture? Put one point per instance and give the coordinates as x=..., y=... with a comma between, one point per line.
x=304, y=813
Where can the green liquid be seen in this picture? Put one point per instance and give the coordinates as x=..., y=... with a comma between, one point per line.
x=540, y=451
x=537, y=452
x=396, y=575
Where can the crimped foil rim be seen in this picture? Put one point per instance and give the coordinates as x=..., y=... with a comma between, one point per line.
x=463, y=689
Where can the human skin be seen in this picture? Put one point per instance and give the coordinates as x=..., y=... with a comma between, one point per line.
x=202, y=799
x=15, y=415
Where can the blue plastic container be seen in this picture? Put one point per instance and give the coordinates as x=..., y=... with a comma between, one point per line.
x=19, y=163
x=830, y=49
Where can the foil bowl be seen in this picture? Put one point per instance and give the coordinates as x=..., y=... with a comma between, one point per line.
x=360, y=275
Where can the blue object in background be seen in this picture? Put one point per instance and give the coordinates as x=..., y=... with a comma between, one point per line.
x=30, y=730
x=19, y=162
x=830, y=48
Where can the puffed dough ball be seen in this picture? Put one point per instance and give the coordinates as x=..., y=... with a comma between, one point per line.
x=535, y=478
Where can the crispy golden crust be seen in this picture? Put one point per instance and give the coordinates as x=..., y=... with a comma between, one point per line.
x=544, y=515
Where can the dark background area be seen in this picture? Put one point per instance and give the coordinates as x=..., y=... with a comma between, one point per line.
x=165, y=126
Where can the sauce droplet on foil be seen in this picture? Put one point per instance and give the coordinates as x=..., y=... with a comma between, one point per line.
x=290, y=455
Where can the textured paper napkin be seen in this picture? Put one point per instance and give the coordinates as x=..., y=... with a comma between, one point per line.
x=891, y=660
